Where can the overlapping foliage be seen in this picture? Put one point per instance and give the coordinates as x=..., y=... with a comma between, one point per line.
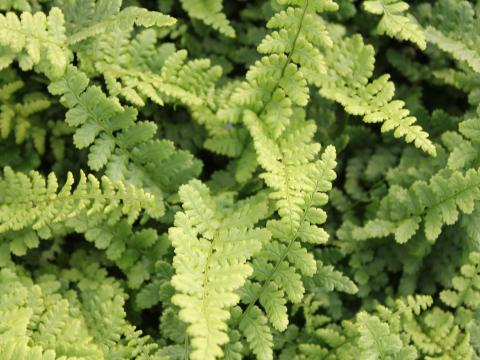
x=267, y=179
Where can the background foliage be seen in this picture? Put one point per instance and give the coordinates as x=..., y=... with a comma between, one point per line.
x=284, y=179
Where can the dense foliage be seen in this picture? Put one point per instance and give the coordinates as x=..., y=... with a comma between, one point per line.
x=265, y=179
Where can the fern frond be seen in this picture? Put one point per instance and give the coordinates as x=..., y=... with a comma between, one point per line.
x=19, y=116
x=210, y=12
x=100, y=301
x=377, y=342
x=463, y=144
x=125, y=147
x=436, y=334
x=124, y=19
x=213, y=239
x=330, y=279
x=395, y=23
x=452, y=27
x=458, y=49
x=299, y=183
x=268, y=103
x=348, y=83
x=466, y=286
x=32, y=201
x=257, y=332
x=408, y=329
x=135, y=252
x=61, y=314
x=435, y=203
x=35, y=40
x=277, y=81
x=176, y=81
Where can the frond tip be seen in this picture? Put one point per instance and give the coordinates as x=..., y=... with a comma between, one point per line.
x=210, y=12
x=395, y=23
x=348, y=82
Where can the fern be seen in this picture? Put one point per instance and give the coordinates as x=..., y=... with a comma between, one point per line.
x=427, y=198
x=35, y=40
x=257, y=332
x=441, y=336
x=210, y=12
x=376, y=341
x=212, y=243
x=100, y=118
x=18, y=116
x=348, y=82
x=465, y=286
x=434, y=203
x=403, y=330
x=52, y=321
x=330, y=279
x=456, y=48
x=394, y=23
x=35, y=203
x=299, y=213
x=122, y=19
x=456, y=41
x=134, y=252
x=164, y=76
x=211, y=217
x=51, y=207
x=275, y=84
x=22, y=5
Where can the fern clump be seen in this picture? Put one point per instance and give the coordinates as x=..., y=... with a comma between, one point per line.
x=219, y=179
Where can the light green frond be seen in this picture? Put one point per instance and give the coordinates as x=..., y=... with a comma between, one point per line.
x=210, y=12
x=377, y=342
x=35, y=40
x=395, y=22
x=35, y=202
x=347, y=81
x=19, y=115
x=436, y=203
x=330, y=279
x=312, y=5
x=124, y=146
x=160, y=73
x=452, y=27
x=255, y=329
x=68, y=315
x=455, y=47
x=269, y=104
x=124, y=19
x=211, y=255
